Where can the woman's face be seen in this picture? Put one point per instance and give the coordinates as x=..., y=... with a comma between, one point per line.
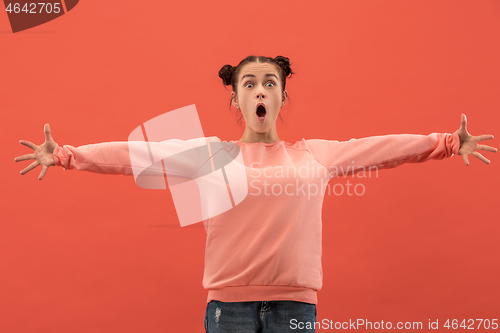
x=259, y=84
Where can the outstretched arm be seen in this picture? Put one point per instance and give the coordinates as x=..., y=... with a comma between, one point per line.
x=108, y=157
x=389, y=151
x=175, y=158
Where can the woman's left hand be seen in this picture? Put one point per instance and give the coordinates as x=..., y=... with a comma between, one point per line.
x=469, y=143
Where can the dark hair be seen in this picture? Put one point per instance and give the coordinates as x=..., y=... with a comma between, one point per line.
x=229, y=74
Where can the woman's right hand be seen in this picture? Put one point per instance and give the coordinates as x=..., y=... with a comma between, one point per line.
x=42, y=154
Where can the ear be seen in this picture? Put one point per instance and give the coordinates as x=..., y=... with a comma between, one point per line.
x=234, y=99
x=284, y=99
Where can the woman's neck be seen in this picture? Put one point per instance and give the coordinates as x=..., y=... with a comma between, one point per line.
x=250, y=136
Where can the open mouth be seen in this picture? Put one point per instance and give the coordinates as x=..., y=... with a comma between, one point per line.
x=261, y=112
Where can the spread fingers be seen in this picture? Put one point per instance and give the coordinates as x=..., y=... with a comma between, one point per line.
x=44, y=170
x=29, y=167
x=24, y=157
x=28, y=144
x=481, y=157
x=487, y=148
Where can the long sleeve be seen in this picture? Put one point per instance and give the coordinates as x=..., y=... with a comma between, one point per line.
x=382, y=152
x=106, y=157
x=182, y=158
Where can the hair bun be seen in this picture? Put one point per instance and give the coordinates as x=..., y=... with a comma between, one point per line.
x=284, y=63
x=226, y=74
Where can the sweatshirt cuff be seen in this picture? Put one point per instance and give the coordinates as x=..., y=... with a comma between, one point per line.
x=57, y=154
x=455, y=143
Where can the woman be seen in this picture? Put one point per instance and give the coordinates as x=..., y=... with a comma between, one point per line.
x=263, y=260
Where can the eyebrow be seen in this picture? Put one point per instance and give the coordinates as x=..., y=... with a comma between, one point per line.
x=251, y=75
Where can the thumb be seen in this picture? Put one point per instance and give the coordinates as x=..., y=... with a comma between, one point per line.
x=48, y=136
x=463, y=122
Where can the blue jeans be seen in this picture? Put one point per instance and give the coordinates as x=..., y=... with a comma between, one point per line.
x=259, y=317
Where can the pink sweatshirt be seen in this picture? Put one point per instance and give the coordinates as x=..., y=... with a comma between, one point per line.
x=268, y=247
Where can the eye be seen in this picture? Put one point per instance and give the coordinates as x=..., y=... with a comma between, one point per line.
x=271, y=82
x=248, y=83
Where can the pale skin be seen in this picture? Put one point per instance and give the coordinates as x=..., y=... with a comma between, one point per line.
x=256, y=87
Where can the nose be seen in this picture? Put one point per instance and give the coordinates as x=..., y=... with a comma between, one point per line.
x=260, y=93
